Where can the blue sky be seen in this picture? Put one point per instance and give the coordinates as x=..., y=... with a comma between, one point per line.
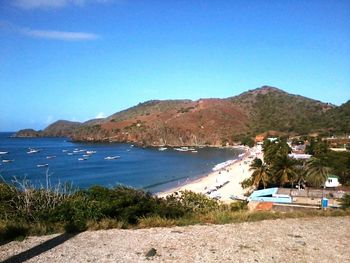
x=79, y=59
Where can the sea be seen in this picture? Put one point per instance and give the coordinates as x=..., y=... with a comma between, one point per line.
x=141, y=168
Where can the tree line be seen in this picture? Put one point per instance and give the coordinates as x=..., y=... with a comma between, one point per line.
x=278, y=169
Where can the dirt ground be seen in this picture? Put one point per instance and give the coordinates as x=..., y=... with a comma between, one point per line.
x=288, y=240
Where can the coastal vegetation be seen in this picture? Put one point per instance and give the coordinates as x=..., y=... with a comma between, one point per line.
x=25, y=210
x=278, y=169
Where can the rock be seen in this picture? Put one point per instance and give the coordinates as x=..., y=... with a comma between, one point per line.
x=151, y=253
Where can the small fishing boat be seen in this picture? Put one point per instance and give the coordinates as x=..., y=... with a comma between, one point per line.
x=42, y=165
x=2, y=153
x=181, y=149
x=31, y=151
x=82, y=159
x=112, y=157
x=64, y=151
x=7, y=161
x=162, y=148
x=50, y=157
x=90, y=152
x=86, y=155
x=194, y=151
x=69, y=153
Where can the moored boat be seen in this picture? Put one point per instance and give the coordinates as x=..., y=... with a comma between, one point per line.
x=2, y=153
x=7, y=161
x=42, y=165
x=112, y=157
x=31, y=151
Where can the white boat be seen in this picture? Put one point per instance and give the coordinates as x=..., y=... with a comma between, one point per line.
x=194, y=151
x=181, y=149
x=42, y=165
x=90, y=152
x=82, y=159
x=69, y=153
x=2, y=153
x=31, y=151
x=7, y=161
x=86, y=155
x=64, y=151
x=112, y=157
x=162, y=149
x=50, y=157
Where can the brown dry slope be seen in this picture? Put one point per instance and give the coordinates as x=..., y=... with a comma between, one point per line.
x=290, y=240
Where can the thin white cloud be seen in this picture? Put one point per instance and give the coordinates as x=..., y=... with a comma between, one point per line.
x=48, y=34
x=58, y=35
x=52, y=4
x=100, y=115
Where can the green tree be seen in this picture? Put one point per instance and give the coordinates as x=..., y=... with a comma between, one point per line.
x=248, y=141
x=317, y=172
x=274, y=149
x=301, y=173
x=260, y=173
x=283, y=169
x=316, y=147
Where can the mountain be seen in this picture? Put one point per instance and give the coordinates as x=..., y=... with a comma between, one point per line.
x=212, y=121
x=273, y=109
x=59, y=128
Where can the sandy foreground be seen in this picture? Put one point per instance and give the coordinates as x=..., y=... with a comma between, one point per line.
x=235, y=173
x=289, y=240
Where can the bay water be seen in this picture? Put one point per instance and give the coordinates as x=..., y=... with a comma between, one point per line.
x=144, y=168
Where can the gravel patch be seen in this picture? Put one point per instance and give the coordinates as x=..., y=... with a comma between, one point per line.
x=283, y=240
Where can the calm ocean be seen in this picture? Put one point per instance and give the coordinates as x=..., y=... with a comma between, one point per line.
x=146, y=168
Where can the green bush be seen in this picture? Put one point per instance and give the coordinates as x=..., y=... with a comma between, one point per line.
x=345, y=201
x=198, y=203
x=238, y=206
x=13, y=231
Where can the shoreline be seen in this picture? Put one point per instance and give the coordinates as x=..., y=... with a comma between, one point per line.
x=234, y=173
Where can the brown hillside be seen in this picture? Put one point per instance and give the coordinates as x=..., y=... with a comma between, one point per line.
x=210, y=121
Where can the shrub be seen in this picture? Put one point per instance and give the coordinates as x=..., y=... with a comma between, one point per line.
x=198, y=203
x=238, y=206
x=345, y=201
x=13, y=231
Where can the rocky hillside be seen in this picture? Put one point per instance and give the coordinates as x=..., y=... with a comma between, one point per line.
x=211, y=121
x=59, y=128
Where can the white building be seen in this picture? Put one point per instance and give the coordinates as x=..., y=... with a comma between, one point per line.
x=332, y=181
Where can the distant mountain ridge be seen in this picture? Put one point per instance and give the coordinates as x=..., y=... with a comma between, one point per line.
x=209, y=121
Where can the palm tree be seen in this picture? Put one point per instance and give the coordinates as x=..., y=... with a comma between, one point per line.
x=317, y=172
x=260, y=172
x=300, y=174
x=284, y=169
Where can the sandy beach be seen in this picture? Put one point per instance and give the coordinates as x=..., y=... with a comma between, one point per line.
x=234, y=173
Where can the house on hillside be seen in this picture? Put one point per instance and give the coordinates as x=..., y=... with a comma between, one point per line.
x=332, y=181
x=259, y=139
